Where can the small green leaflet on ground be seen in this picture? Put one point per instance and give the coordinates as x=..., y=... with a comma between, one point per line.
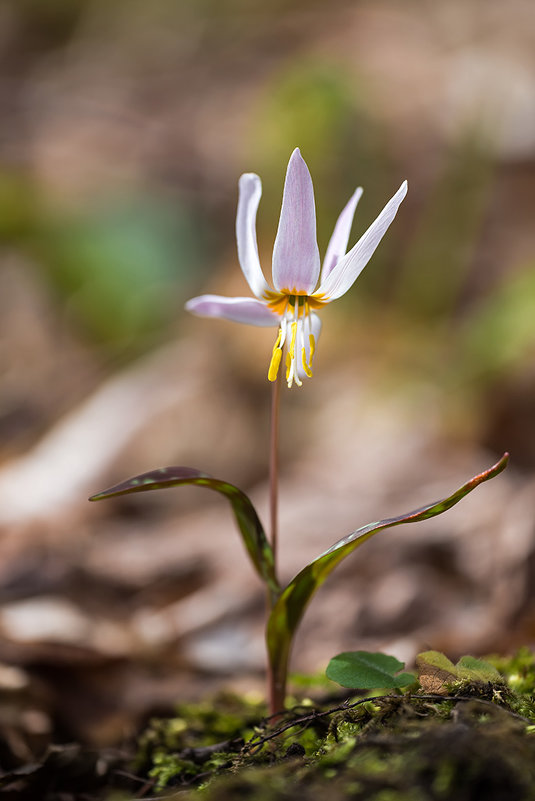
x=362, y=670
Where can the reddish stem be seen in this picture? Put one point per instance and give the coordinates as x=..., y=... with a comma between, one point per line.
x=276, y=692
x=274, y=466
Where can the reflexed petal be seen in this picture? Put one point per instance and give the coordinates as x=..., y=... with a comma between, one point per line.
x=250, y=190
x=351, y=265
x=239, y=310
x=296, y=260
x=338, y=244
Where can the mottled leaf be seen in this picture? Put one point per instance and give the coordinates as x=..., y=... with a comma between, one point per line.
x=291, y=604
x=247, y=519
x=362, y=670
x=435, y=671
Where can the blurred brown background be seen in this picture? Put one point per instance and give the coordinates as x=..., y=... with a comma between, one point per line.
x=125, y=127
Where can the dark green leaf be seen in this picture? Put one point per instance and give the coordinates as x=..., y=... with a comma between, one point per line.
x=362, y=670
x=291, y=604
x=247, y=519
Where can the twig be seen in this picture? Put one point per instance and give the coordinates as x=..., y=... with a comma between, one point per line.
x=315, y=714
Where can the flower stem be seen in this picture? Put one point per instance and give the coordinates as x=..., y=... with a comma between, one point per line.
x=275, y=691
x=274, y=466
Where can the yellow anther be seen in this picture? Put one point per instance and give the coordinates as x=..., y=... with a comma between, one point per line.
x=300, y=307
x=275, y=364
x=275, y=359
x=312, y=347
x=306, y=368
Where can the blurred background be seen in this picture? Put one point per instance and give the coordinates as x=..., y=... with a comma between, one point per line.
x=125, y=127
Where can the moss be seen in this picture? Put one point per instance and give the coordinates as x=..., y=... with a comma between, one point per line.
x=397, y=748
x=519, y=674
x=198, y=740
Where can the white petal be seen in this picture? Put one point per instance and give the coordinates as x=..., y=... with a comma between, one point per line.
x=250, y=190
x=338, y=243
x=239, y=310
x=296, y=259
x=351, y=265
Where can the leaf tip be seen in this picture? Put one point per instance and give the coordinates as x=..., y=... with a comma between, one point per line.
x=500, y=465
x=98, y=496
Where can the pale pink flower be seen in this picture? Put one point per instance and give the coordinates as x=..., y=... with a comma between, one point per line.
x=300, y=286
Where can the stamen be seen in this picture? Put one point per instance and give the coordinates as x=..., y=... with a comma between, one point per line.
x=274, y=364
x=312, y=348
x=291, y=349
x=306, y=368
x=295, y=332
x=291, y=371
x=283, y=328
x=275, y=358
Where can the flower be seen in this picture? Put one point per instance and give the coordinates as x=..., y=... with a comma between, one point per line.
x=300, y=287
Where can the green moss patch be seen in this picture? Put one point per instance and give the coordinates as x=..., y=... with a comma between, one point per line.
x=475, y=742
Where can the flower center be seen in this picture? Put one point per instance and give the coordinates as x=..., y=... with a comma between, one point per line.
x=295, y=331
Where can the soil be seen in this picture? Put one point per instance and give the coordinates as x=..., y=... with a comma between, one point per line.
x=471, y=740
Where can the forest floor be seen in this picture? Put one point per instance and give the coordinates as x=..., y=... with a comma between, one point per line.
x=467, y=741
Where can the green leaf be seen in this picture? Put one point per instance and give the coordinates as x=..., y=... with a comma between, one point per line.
x=474, y=669
x=291, y=604
x=362, y=670
x=247, y=519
